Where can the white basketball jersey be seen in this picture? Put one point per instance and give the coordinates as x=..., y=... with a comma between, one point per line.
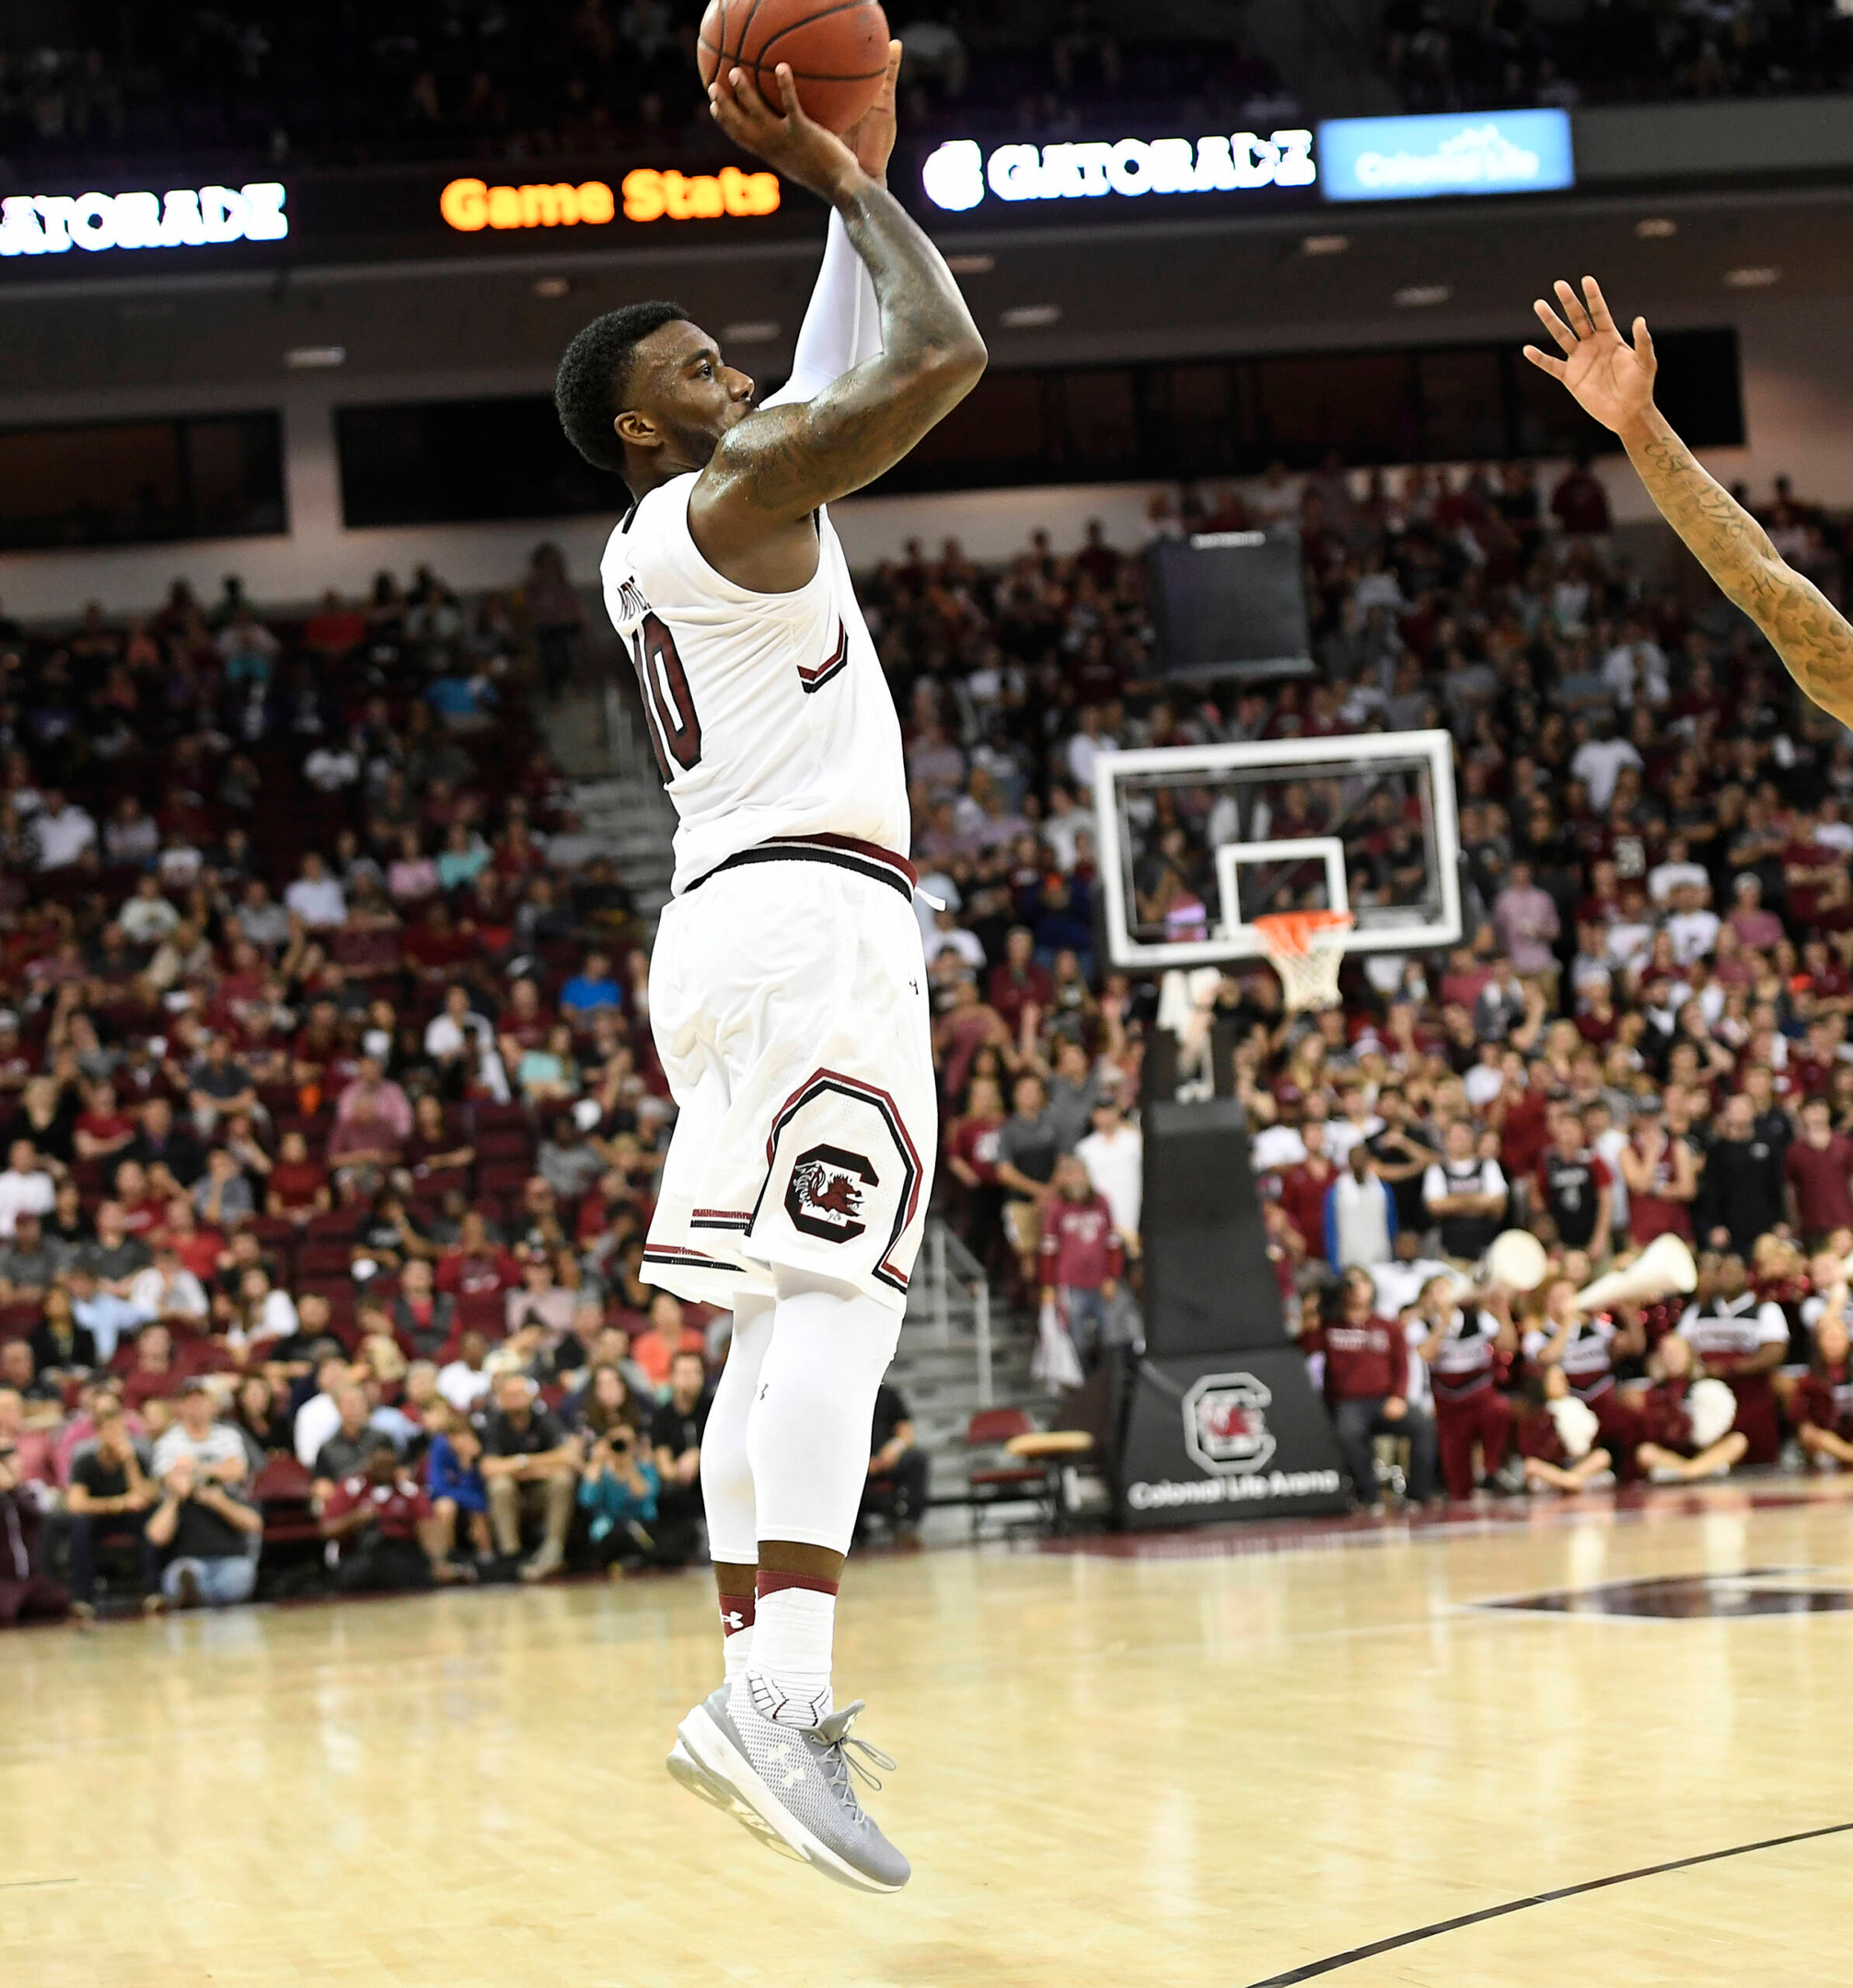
x=769, y=712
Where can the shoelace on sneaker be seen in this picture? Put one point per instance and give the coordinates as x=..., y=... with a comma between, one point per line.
x=842, y=1761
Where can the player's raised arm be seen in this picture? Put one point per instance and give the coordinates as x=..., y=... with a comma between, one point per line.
x=773, y=470
x=842, y=324
x=1613, y=380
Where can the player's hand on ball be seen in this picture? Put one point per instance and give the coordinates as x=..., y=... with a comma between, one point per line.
x=872, y=136
x=1610, y=378
x=790, y=143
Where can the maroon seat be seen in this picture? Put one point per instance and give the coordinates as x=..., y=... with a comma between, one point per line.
x=323, y=1259
x=282, y=1481
x=1003, y=1483
x=368, y=953
x=18, y=1318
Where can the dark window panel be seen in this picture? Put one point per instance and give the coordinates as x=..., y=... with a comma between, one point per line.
x=452, y=462
x=1358, y=403
x=1463, y=404
x=1100, y=423
x=998, y=435
x=1699, y=388
x=1198, y=418
x=459, y=461
x=141, y=483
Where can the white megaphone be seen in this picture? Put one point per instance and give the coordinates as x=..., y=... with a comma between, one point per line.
x=1665, y=1265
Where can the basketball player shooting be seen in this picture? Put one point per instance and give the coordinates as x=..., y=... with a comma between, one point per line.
x=787, y=987
x=1612, y=379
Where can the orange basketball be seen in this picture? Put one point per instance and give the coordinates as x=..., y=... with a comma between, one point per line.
x=837, y=50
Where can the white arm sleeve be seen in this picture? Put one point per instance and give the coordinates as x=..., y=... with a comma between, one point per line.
x=842, y=325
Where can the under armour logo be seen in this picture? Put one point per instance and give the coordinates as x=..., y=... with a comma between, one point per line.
x=733, y=1619
x=783, y=1751
x=914, y=984
x=765, y=1388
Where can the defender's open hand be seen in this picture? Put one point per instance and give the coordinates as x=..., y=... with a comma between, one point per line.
x=1611, y=379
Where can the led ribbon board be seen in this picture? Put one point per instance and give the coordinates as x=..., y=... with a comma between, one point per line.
x=960, y=174
x=471, y=206
x=54, y=224
x=1429, y=157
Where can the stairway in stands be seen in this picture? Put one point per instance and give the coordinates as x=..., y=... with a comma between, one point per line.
x=960, y=1350
x=595, y=737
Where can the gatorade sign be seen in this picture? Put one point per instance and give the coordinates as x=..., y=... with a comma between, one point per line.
x=957, y=176
x=54, y=224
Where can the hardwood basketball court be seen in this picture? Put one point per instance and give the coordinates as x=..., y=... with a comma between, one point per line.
x=1223, y=1758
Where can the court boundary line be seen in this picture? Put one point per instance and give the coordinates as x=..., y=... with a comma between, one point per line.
x=1333, y=1962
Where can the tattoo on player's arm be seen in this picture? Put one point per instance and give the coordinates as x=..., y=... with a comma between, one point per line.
x=787, y=460
x=1814, y=641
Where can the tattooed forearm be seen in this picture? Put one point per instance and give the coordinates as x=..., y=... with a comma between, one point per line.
x=787, y=460
x=1812, y=638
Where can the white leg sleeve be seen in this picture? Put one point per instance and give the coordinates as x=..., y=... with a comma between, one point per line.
x=727, y=1476
x=809, y=1433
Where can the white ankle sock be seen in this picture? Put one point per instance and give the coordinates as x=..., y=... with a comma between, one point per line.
x=788, y=1672
x=736, y=1649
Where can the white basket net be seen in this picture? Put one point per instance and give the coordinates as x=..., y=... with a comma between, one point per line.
x=1305, y=948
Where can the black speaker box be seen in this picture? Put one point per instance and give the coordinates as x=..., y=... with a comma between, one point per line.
x=1209, y=1285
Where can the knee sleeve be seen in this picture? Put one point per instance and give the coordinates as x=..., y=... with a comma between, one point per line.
x=727, y=1476
x=809, y=1431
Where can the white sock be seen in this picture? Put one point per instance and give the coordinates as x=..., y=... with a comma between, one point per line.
x=787, y=1673
x=736, y=1649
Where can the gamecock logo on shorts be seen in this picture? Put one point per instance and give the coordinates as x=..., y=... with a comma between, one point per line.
x=824, y=1198
x=1225, y=1424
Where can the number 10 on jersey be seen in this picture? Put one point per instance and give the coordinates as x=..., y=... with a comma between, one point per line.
x=668, y=708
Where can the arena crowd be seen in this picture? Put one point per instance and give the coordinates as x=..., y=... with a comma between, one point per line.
x=332, y=1117
x=1644, y=1033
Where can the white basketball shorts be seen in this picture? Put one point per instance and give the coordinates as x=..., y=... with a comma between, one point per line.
x=789, y=1005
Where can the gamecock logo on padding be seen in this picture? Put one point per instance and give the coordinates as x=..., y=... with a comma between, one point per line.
x=1225, y=1424
x=824, y=1198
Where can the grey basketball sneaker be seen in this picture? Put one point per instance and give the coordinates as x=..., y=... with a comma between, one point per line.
x=687, y=1771
x=797, y=1779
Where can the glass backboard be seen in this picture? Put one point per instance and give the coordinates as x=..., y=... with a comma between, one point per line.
x=1197, y=842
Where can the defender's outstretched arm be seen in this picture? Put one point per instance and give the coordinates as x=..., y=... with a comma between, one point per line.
x=1613, y=380
x=776, y=467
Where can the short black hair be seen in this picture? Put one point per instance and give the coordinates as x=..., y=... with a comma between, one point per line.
x=593, y=385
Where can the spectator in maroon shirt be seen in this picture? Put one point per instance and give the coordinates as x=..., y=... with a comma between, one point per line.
x=475, y=1266
x=972, y=1158
x=1017, y=982
x=334, y=628
x=383, y=1528
x=1082, y=1257
x=1754, y=927
x=1367, y=1388
x=1304, y=1188
x=1815, y=1171
x=157, y=1374
x=1580, y=504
